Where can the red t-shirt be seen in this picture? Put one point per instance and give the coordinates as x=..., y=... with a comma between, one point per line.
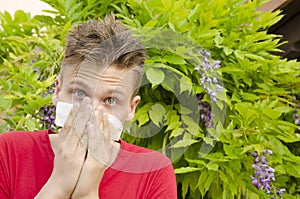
x=26, y=163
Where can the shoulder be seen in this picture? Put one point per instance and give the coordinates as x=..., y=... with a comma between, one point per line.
x=21, y=136
x=21, y=141
x=153, y=165
x=136, y=159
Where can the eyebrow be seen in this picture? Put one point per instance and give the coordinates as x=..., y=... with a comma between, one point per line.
x=111, y=90
x=79, y=82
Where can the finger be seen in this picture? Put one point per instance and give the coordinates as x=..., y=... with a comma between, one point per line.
x=105, y=126
x=96, y=152
x=82, y=116
x=79, y=124
x=98, y=146
x=76, y=127
x=96, y=139
x=103, y=122
x=92, y=136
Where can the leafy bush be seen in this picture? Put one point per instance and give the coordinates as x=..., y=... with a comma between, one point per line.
x=254, y=111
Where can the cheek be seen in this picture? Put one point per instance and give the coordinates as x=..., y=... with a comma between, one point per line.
x=120, y=112
x=64, y=96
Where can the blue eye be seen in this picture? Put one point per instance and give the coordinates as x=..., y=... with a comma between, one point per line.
x=79, y=93
x=111, y=101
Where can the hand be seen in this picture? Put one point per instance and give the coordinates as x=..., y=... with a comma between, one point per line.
x=70, y=155
x=102, y=151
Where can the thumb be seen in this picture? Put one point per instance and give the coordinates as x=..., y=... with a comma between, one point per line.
x=103, y=122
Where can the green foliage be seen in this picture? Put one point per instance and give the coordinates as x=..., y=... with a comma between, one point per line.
x=254, y=113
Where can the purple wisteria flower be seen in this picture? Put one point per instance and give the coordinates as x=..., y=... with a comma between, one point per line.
x=205, y=111
x=208, y=70
x=48, y=116
x=47, y=112
x=296, y=117
x=264, y=174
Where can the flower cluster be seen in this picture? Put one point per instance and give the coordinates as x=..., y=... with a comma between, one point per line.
x=205, y=111
x=296, y=117
x=48, y=116
x=264, y=173
x=47, y=113
x=208, y=70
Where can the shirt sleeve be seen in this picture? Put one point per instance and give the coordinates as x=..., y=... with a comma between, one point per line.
x=164, y=186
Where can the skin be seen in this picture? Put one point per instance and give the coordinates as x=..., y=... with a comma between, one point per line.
x=83, y=150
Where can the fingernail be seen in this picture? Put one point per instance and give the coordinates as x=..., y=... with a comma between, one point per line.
x=87, y=98
x=76, y=106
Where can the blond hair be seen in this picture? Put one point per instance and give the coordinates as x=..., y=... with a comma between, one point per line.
x=105, y=43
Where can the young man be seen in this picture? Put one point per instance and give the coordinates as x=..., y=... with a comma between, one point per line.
x=100, y=75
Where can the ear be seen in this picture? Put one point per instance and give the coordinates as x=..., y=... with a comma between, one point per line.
x=135, y=101
x=57, y=89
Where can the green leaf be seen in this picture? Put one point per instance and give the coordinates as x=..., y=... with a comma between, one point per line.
x=185, y=170
x=157, y=114
x=293, y=169
x=143, y=118
x=150, y=24
x=199, y=162
x=16, y=38
x=239, y=54
x=20, y=16
x=192, y=125
x=30, y=125
x=175, y=59
x=183, y=110
x=271, y=113
x=176, y=132
x=185, y=186
x=185, y=84
x=227, y=50
x=173, y=125
x=155, y=76
x=167, y=4
x=208, y=182
x=5, y=103
x=256, y=147
x=184, y=143
x=205, y=181
x=250, y=96
x=5, y=84
x=218, y=40
x=212, y=166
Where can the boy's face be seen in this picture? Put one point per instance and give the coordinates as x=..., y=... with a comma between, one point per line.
x=109, y=88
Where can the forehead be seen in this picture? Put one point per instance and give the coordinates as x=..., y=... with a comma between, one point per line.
x=93, y=75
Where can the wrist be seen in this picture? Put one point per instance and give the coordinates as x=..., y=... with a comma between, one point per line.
x=51, y=190
x=93, y=195
x=50, y=193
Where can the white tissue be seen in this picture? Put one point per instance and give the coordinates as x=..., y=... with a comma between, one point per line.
x=63, y=110
x=115, y=127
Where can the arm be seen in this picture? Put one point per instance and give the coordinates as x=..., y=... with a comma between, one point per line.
x=70, y=155
x=79, y=168
x=102, y=151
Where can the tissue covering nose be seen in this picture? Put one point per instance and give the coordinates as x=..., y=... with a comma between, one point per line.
x=63, y=110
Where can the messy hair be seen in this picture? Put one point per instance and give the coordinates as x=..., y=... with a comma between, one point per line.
x=104, y=43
